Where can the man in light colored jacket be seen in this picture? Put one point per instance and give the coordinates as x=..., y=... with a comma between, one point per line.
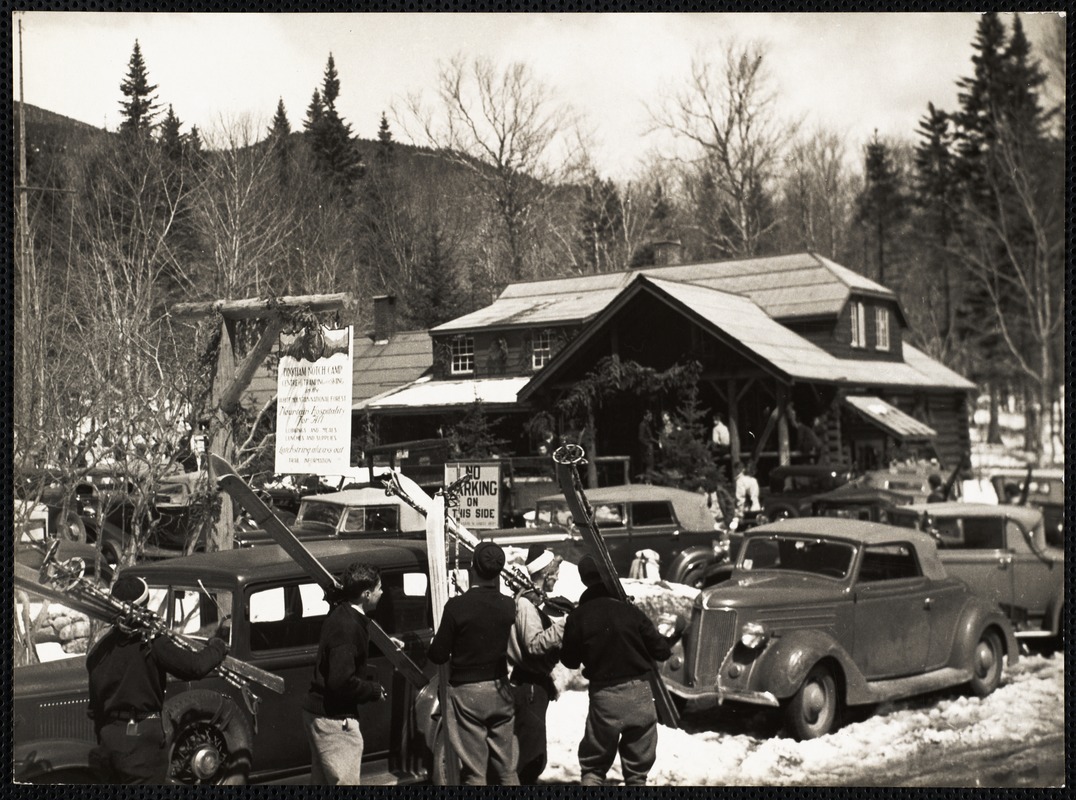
x=533, y=651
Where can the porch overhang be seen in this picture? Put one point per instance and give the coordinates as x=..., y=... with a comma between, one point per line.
x=426, y=396
x=902, y=427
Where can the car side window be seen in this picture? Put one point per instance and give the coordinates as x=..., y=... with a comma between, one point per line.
x=609, y=515
x=319, y=512
x=372, y=519
x=286, y=616
x=888, y=562
x=405, y=603
x=984, y=533
x=652, y=513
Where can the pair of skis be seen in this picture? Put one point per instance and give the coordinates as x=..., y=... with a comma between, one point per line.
x=63, y=582
x=264, y=517
x=567, y=459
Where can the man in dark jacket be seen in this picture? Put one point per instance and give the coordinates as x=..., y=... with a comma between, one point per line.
x=127, y=676
x=474, y=633
x=331, y=707
x=614, y=641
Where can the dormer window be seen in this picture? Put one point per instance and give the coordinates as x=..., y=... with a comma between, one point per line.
x=881, y=327
x=859, y=325
x=542, y=350
x=462, y=355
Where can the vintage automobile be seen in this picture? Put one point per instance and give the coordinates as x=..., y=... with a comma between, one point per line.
x=277, y=614
x=1002, y=553
x=1045, y=491
x=788, y=488
x=366, y=512
x=853, y=501
x=673, y=523
x=33, y=535
x=821, y=614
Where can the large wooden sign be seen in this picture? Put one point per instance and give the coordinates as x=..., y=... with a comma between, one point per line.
x=313, y=412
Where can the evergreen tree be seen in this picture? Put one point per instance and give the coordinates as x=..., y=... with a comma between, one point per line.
x=314, y=113
x=474, y=436
x=140, y=108
x=280, y=140
x=882, y=204
x=936, y=199
x=280, y=130
x=658, y=226
x=194, y=143
x=685, y=460
x=435, y=296
x=385, y=143
x=172, y=141
x=332, y=142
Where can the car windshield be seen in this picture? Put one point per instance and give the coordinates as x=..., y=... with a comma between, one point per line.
x=320, y=512
x=797, y=554
x=191, y=610
x=553, y=514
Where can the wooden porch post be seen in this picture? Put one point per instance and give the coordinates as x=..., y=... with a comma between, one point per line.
x=784, y=455
x=734, y=424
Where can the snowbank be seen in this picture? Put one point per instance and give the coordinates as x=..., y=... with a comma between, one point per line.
x=941, y=739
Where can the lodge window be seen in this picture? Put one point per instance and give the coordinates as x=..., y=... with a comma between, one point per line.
x=859, y=325
x=462, y=355
x=542, y=351
x=881, y=324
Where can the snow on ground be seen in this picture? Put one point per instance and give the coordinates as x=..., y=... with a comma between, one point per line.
x=898, y=744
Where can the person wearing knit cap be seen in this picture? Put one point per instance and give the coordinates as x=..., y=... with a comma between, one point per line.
x=473, y=640
x=614, y=642
x=127, y=676
x=533, y=652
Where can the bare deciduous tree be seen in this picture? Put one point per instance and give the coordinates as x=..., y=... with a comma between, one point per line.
x=817, y=194
x=727, y=117
x=240, y=216
x=519, y=143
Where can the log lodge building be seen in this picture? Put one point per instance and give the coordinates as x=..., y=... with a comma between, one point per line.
x=779, y=339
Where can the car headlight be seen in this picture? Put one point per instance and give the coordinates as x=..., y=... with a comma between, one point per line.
x=752, y=635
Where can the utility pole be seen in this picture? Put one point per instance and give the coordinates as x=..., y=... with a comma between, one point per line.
x=23, y=233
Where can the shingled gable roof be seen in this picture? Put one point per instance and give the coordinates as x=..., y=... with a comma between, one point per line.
x=742, y=325
x=801, y=285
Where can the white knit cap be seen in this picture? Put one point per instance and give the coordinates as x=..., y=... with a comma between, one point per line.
x=540, y=561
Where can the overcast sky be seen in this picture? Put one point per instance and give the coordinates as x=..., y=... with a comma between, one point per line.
x=852, y=72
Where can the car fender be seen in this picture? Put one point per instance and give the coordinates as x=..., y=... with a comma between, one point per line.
x=976, y=617
x=688, y=559
x=35, y=760
x=784, y=665
x=428, y=711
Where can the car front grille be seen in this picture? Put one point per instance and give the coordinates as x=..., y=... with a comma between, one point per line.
x=706, y=650
x=64, y=719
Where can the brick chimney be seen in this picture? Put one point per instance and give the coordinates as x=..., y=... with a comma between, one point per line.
x=384, y=317
x=666, y=253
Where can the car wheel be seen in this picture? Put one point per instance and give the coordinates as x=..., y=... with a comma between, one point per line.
x=72, y=528
x=812, y=711
x=986, y=661
x=781, y=512
x=210, y=741
x=694, y=576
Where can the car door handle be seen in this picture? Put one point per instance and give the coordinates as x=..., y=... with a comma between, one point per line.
x=1004, y=561
x=928, y=603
